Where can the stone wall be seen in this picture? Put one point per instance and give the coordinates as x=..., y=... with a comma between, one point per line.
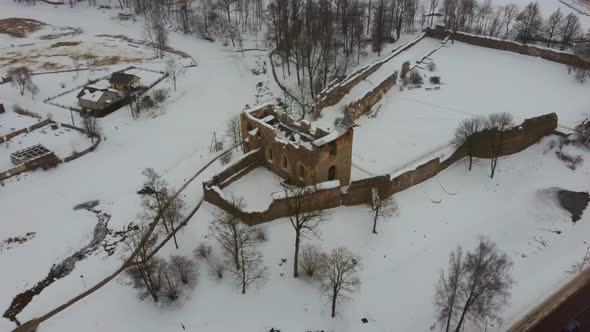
x=332, y=94
x=359, y=192
x=238, y=168
x=322, y=199
x=507, y=45
x=300, y=163
x=13, y=134
x=355, y=109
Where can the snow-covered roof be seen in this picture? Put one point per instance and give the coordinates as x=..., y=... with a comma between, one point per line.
x=99, y=85
x=92, y=96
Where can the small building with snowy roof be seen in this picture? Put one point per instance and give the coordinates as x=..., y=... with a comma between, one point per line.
x=295, y=150
x=99, y=99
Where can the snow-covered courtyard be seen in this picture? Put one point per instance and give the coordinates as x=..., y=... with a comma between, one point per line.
x=413, y=123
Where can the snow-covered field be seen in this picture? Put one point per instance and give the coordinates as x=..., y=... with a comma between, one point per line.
x=476, y=81
x=401, y=263
x=11, y=121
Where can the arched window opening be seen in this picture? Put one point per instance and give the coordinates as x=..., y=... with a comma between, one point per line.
x=332, y=173
x=301, y=171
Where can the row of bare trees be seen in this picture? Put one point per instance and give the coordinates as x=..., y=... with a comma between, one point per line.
x=527, y=25
x=316, y=41
x=495, y=125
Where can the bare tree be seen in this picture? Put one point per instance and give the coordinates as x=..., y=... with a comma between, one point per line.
x=170, y=289
x=233, y=131
x=570, y=30
x=304, y=218
x=582, y=133
x=202, y=251
x=578, y=267
x=22, y=79
x=175, y=70
x=498, y=124
x=313, y=261
x=529, y=23
x=432, y=6
x=91, y=127
x=510, y=13
x=217, y=266
x=251, y=269
x=464, y=135
x=173, y=212
x=381, y=207
x=184, y=269
x=378, y=29
x=158, y=199
x=340, y=277
x=145, y=269
x=448, y=289
x=230, y=232
x=487, y=283
x=154, y=29
x=553, y=26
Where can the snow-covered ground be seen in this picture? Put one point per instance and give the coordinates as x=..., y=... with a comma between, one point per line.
x=11, y=121
x=401, y=263
x=476, y=81
x=175, y=143
x=258, y=197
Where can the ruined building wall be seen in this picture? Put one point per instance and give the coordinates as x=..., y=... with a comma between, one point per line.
x=359, y=192
x=355, y=109
x=300, y=163
x=332, y=94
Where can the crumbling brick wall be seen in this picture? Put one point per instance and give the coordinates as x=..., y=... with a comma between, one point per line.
x=359, y=192
x=279, y=208
x=355, y=109
x=297, y=162
x=332, y=94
